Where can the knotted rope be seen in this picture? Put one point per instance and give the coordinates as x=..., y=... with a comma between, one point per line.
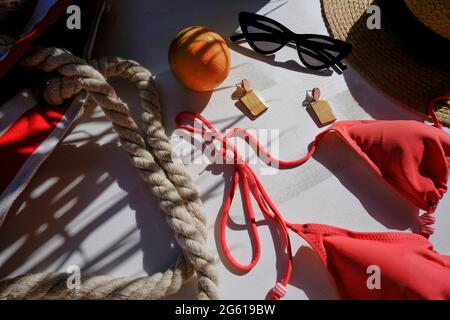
x=150, y=152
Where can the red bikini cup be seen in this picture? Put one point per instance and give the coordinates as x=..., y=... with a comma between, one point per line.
x=410, y=156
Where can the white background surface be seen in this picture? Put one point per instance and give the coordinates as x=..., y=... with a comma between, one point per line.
x=88, y=206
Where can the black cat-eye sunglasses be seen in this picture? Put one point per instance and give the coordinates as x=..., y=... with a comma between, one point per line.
x=267, y=36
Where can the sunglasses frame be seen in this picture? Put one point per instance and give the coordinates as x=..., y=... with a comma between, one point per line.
x=302, y=41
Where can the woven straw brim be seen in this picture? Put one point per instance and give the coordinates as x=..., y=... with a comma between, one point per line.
x=381, y=57
x=435, y=14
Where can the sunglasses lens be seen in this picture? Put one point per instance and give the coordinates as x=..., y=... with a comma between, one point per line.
x=264, y=35
x=320, y=52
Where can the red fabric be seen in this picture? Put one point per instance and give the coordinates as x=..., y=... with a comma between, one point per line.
x=24, y=137
x=410, y=156
x=409, y=267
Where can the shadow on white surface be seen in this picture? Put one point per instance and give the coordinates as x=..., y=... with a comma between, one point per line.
x=54, y=223
x=377, y=104
x=310, y=275
x=162, y=21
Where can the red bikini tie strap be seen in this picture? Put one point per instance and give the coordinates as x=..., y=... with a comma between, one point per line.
x=250, y=184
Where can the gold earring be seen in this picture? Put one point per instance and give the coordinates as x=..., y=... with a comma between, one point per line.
x=321, y=107
x=250, y=100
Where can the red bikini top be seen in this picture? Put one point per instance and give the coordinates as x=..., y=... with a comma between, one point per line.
x=410, y=156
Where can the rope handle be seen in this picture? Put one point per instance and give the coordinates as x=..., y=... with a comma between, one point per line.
x=151, y=153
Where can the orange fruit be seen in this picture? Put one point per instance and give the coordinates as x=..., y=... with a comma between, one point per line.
x=199, y=58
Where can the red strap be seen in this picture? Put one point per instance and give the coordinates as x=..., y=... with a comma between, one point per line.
x=249, y=184
x=19, y=142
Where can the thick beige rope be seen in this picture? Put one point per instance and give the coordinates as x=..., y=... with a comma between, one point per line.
x=54, y=285
x=157, y=164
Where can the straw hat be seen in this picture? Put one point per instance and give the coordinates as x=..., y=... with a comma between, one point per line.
x=408, y=57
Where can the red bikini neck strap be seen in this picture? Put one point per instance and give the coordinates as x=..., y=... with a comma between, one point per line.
x=250, y=185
